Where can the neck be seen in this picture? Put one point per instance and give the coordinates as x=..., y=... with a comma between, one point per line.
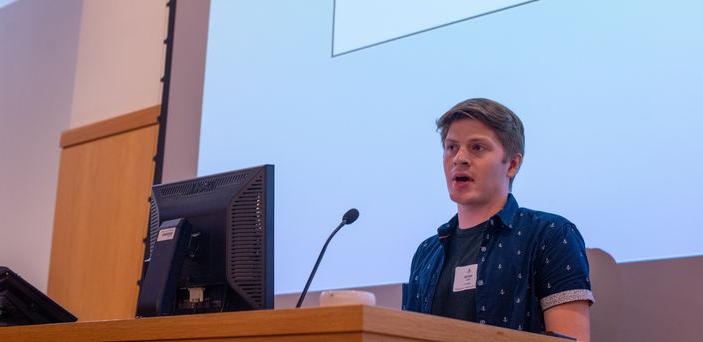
x=472, y=215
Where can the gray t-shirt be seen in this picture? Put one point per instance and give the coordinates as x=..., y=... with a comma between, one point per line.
x=461, y=251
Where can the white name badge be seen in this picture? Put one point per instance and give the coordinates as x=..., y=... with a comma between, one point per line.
x=465, y=277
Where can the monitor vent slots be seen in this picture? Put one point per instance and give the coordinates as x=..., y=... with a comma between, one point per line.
x=245, y=260
x=204, y=186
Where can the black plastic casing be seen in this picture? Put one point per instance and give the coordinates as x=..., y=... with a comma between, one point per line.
x=22, y=304
x=228, y=251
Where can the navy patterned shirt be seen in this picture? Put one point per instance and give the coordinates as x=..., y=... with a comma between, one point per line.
x=529, y=261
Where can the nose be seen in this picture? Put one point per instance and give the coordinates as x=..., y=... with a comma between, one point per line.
x=461, y=157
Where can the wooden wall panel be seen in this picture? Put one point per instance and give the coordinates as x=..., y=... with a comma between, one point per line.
x=101, y=217
x=117, y=125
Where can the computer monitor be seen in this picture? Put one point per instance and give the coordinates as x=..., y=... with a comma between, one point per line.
x=22, y=304
x=210, y=245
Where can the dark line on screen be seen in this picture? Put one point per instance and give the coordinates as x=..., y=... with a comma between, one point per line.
x=334, y=13
x=421, y=31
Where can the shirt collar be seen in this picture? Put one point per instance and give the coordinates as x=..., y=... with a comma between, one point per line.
x=505, y=216
x=445, y=230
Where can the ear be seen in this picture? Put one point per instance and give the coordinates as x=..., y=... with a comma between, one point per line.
x=514, y=165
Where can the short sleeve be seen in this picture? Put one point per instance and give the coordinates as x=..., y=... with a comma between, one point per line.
x=562, y=273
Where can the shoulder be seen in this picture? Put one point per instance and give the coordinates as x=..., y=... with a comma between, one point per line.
x=427, y=246
x=425, y=251
x=542, y=218
x=545, y=224
x=433, y=244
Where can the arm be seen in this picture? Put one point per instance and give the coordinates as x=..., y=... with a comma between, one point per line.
x=562, y=282
x=411, y=297
x=571, y=319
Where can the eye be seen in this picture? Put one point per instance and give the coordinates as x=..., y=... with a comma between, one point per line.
x=478, y=148
x=450, y=147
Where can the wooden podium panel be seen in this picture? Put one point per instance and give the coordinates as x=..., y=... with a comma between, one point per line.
x=102, y=211
x=344, y=323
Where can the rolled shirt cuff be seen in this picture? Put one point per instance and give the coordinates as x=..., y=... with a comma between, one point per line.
x=566, y=297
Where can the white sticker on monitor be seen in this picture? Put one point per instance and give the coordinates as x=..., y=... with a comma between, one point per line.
x=166, y=234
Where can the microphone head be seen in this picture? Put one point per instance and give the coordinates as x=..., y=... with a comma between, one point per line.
x=350, y=216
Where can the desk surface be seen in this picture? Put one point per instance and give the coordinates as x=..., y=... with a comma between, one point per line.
x=344, y=323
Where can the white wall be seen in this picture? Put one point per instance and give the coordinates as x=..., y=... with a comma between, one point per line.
x=38, y=45
x=64, y=64
x=120, y=58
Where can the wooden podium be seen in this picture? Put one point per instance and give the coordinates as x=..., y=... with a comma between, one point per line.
x=343, y=323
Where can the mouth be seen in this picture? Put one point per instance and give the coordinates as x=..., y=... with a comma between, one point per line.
x=462, y=179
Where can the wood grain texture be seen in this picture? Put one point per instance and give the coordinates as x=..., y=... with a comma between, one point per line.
x=347, y=323
x=434, y=328
x=117, y=125
x=100, y=220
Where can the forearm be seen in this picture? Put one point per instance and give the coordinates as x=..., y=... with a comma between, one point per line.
x=571, y=319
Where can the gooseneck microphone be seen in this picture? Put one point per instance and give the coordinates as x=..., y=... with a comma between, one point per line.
x=349, y=217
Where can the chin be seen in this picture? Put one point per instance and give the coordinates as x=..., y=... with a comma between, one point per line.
x=464, y=199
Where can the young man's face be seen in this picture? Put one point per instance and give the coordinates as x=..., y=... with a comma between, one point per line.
x=474, y=165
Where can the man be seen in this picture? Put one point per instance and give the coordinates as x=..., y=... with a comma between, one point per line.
x=494, y=262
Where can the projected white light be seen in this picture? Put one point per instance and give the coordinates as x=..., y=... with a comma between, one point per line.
x=612, y=122
x=359, y=24
x=4, y=3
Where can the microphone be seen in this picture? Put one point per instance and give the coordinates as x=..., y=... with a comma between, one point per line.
x=349, y=217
